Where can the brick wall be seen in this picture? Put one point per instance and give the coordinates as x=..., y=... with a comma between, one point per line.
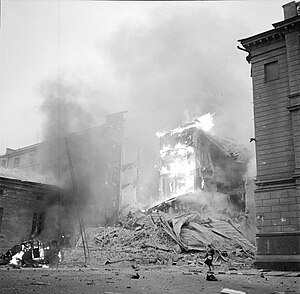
x=19, y=204
x=278, y=211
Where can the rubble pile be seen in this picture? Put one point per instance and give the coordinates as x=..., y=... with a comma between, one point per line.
x=159, y=238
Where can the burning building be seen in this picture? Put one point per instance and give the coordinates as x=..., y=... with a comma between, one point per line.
x=275, y=69
x=192, y=160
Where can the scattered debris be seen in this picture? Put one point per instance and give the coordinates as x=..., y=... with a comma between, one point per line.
x=162, y=239
x=135, y=276
x=211, y=277
x=230, y=291
x=39, y=284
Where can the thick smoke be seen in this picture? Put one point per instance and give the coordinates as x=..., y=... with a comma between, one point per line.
x=69, y=112
x=178, y=66
x=67, y=104
x=166, y=71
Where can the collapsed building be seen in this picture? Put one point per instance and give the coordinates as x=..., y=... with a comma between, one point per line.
x=192, y=160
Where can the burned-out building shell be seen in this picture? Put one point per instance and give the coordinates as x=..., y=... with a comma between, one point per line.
x=192, y=159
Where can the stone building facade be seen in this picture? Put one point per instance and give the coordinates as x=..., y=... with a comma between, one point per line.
x=275, y=68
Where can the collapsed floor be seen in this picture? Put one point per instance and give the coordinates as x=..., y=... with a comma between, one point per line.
x=158, y=238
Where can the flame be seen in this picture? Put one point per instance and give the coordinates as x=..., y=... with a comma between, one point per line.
x=205, y=122
x=179, y=149
x=178, y=163
x=178, y=168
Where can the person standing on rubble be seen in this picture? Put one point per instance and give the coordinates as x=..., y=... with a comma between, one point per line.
x=209, y=257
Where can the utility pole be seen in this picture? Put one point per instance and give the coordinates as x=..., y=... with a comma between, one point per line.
x=81, y=224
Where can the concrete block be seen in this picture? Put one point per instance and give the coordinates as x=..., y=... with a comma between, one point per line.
x=295, y=221
x=289, y=214
x=288, y=200
x=262, y=209
x=271, y=215
x=270, y=202
x=280, y=208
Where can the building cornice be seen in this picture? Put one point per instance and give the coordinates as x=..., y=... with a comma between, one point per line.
x=24, y=185
x=286, y=25
x=261, y=39
x=277, y=234
x=266, y=38
x=278, y=184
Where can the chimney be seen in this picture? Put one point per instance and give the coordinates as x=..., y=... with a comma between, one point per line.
x=9, y=151
x=291, y=9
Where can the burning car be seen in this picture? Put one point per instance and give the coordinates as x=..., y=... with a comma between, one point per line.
x=33, y=253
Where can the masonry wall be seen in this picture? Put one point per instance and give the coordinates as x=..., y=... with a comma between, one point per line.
x=273, y=127
x=18, y=203
x=277, y=133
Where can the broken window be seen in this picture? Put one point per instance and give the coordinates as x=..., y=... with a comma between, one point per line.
x=271, y=71
x=1, y=218
x=16, y=161
x=37, y=223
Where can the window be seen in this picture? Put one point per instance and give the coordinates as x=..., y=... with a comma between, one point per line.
x=37, y=223
x=271, y=71
x=16, y=161
x=3, y=162
x=32, y=158
x=1, y=218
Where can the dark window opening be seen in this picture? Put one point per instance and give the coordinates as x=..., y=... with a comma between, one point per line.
x=37, y=223
x=271, y=71
x=38, y=195
x=237, y=202
x=1, y=218
x=16, y=161
x=3, y=163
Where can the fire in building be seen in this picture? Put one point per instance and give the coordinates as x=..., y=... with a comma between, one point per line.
x=193, y=160
x=275, y=69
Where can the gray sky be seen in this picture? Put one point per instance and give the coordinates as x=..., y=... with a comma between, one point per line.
x=164, y=62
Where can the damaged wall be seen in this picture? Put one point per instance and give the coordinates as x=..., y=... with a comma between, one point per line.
x=96, y=155
x=23, y=205
x=192, y=159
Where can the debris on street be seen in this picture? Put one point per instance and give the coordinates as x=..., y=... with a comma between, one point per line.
x=230, y=291
x=162, y=239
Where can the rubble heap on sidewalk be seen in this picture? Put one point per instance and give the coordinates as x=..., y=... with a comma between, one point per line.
x=159, y=238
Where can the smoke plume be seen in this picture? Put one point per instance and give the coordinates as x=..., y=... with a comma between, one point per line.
x=165, y=71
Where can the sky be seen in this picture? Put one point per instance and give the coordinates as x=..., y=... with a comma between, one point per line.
x=163, y=62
